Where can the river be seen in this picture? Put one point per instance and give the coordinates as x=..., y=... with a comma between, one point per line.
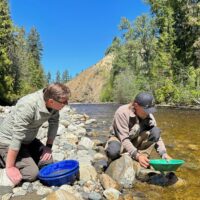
x=180, y=132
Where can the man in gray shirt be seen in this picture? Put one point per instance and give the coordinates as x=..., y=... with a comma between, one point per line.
x=134, y=131
x=21, y=153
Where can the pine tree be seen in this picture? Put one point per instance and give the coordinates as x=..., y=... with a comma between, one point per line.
x=187, y=29
x=58, y=78
x=35, y=54
x=165, y=60
x=65, y=76
x=20, y=63
x=6, y=79
x=49, y=78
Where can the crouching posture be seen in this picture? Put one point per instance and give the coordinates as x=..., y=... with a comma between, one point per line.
x=134, y=131
x=21, y=153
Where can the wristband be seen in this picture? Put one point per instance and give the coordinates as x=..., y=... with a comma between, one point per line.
x=49, y=145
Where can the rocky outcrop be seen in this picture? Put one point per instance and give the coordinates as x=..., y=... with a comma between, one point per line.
x=88, y=85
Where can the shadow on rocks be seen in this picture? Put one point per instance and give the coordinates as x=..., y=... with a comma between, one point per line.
x=162, y=179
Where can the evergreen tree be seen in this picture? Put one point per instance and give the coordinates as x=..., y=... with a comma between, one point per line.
x=6, y=79
x=35, y=54
x=165, y=60
x=49, y=78
x=35, y=46
x=65, y=76
x=114, y=46
x=20, y=63
x=187, y=29
x=58, y=78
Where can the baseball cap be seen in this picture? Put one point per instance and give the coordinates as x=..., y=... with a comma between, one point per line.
x=147, y=101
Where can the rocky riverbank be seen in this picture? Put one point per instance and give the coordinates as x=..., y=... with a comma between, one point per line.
x=97, y=180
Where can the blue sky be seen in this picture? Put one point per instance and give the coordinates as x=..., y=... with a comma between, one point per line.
x=74, y=33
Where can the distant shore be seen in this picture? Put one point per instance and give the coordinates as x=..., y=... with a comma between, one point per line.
x=192, y=107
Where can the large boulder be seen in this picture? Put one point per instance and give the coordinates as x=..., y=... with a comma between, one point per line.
x=107, y=182
x=122, y=171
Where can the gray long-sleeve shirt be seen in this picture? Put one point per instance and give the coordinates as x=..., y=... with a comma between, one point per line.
x=21, y=125
x=124, y=120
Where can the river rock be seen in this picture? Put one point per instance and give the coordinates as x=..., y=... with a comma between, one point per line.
x=27, y=186
x=89, y=121
x=94, y=196
x=61, y=195
x=71, y=138
x=18, y=191
x=111, y=194
x=44, y=190
x=87, y=172
x=179, y=182
x=164, y=180
x=58, y=156
x=86, y=117
x=65, y=123
x=86, y=142
x=71, y=190
x=83, y=157
x=72, y=128
x=80, y=131
x=108, y=182
x=61, y=129
x=100, y=165
x=145, y=174
x=6, y=196
x=100, y=156
x=90, y=186
x=122, y=171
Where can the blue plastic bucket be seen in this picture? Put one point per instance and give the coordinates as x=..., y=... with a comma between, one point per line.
x=59, y=173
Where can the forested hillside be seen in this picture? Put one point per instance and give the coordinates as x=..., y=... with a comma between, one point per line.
x=159, y=53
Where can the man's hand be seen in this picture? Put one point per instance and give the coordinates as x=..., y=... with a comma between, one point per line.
x=143, y=160
x=14, y=175
x=46, y=154
x=166, y=157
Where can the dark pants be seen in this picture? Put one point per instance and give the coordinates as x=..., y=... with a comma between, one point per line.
x=144, y=143
x=28, y=159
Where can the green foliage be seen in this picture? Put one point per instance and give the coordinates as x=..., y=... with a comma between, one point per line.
x=35, y=49
x=106, y=93
x=167, y=93
x=6, y=79
x=114, y=46
x=127, y=85
x=161, y=52
x=21, y=71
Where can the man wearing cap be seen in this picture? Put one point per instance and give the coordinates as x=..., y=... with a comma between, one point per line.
x=134, y=131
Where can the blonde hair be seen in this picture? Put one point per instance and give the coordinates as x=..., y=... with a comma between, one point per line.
x=56, y=91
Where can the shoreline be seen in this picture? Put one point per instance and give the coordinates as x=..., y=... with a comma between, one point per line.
x=185, y=107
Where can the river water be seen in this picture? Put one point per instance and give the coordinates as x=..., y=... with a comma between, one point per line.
x=181, y=134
